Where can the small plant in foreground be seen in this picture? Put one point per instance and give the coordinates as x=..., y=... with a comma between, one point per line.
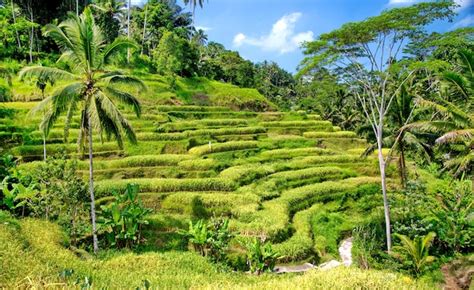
x=415, y=253
x=261, y=257
x=210, y=239
x=124, y=217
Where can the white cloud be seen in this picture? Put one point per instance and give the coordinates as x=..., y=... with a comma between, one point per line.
x=203, y=28
x=282, y=37
x=465, y=22
x=463, y=4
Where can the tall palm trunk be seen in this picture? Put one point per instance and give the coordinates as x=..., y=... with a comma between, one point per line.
x=402, y=165
x=128, y=28
x=383, y=178
x=44, y=146
x=32, y=34
x=14, y=23
x=77, y=7
x=91, y=189
x=144, y=28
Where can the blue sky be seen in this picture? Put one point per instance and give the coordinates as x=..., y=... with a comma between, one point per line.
x=274, y=29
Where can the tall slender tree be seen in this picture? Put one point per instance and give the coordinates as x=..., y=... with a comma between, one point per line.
x=366, y=51
x=89, y=88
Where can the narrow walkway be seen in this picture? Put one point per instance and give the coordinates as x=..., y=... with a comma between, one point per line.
x=345, y=252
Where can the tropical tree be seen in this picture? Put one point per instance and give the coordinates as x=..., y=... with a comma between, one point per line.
x=193, y=4
x=452, y=118
x=108, y=17
x=200, y=37
x=365, y=52
x=90, y=88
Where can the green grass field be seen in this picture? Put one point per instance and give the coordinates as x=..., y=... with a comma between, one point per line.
x=275, y=175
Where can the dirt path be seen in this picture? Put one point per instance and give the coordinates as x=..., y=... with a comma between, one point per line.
x=345, y=252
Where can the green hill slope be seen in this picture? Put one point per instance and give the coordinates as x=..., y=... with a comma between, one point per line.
x=292, y=178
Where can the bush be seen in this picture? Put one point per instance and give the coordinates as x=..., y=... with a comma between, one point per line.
x=209, y=239
x=123, y=217
x=261, y=257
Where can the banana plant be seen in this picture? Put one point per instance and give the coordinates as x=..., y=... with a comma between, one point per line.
x=123, y=218
x=261, y=257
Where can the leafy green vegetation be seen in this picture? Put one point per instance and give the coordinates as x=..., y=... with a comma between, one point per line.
x=228, y=167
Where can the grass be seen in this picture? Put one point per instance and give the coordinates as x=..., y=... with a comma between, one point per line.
x=42, y=242
x=106, y=187
x=223, y=147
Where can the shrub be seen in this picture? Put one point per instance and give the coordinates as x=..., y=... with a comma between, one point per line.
x=123, y=218
x=415, y=253
x=209, y=239
x=261, y=257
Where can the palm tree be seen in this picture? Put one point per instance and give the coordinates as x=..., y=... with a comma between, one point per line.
x=453, y=119
x=193, y=4
x=110, y=13
x=416, y=250
x=200, y=37
x=89, y=87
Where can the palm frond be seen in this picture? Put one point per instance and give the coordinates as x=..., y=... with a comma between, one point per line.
x=119, y=78
x=116, y=47
x=430, y=126
x=125, y=98
x=456, y=136
x=112, y=113
x=46, y=73
x=60, y=102
x=457, y=81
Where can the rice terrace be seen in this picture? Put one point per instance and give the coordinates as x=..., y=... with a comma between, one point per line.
x=138, y=152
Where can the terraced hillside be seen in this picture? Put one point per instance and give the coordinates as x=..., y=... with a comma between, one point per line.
x=293, y=178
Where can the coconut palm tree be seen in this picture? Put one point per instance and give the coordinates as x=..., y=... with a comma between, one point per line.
x=193, y=4
x=108, y=17
x=453, y=119
x=90, y=88
x=199, y=37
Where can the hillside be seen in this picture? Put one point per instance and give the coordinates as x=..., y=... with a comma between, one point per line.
x=292, y=178
x=186, y=91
